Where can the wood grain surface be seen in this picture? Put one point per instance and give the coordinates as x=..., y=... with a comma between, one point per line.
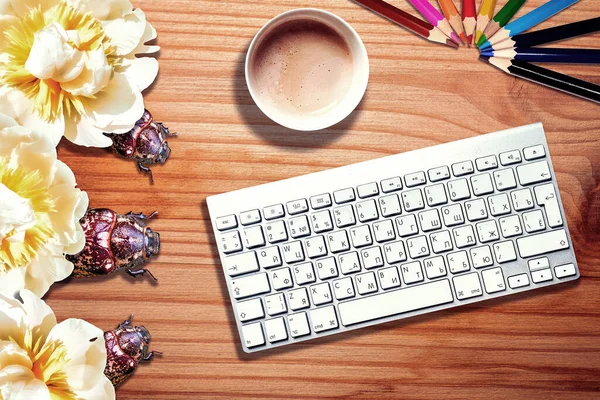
x=540, y=345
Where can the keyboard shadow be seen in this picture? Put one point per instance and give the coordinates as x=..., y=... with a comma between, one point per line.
x=276, y=134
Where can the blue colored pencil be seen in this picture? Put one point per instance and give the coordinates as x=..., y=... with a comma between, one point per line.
x=547, y=55
x=528, y=21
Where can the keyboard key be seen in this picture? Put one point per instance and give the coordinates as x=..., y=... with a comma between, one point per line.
x=321, y=221
x=388, y=278
x=343, y=288
x=349, y=263
x=543, y=243
x=459, y=189
x=467, y=286
x=534, y=152
x=510, y=226
x=505, y=252
x=522, y=199
x=441, y=241
x=368, y=190
x=365, y=283
x=320, y=294
x=230, y=242
x=435, y=267
x=273, y=212
x=407, y=225
x=546, y=196
x=476, y=210
x=518, y=281
x=418, y=247
x=269, y=257
x=395, y=302
x=482, y=184
x=275, y=304
x=315, y=247
x=487, y=231
x=320, y=201
x=298, y=324
x=304, y=273
x=242, y=263
x=384, y=231
x=510, y=157
x=326, y=268
x=297, y=206
x=372, y=257
x=430, y=220
x=499, y=204
x=344, y=216
x=453, y=215
x=276, y=330
x=493, y=280
x=413, y=200
x=281, y=278
x=464, y=236
x=438, y=174
x=394, y=252
x=543, y=275
x=390, y=205
x=344, y=196
x=292, y=252
x=435, y=195
x=458, y=262
x=299, y=226
x=367, y=211
x=323, y=319
x=250, y=217
x=481, y=256
x=415, y=179
x=249, y=310
x=462, y=168
x=412, y=272
x=391, y=184
x=253, y=335
x=276, y=232
x=298, y=299
x=253, y=237
x=338, y=241
x=250, y=285
x=227, y=222
x=534, y=221
x=564, y=271
x=505, y=179
x=361, y=236
x=538, y=263
x=534, y=173
x=486, y=163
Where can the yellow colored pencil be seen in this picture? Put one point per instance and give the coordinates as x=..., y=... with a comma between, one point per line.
x=486, y=13
x=453, y=16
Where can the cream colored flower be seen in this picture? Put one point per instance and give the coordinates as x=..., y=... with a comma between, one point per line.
x=40, y=208
x=43, y=360
x=70, y=67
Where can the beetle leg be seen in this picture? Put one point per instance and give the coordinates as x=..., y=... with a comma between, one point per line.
x=141, y=215
x=141, y=272
x=147, y=170
x=126, y=322
x=151, y=355
x=165, y=130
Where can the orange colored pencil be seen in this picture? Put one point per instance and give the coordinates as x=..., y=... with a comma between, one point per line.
x=453, y=16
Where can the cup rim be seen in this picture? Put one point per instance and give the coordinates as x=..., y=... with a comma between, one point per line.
x=324, y=122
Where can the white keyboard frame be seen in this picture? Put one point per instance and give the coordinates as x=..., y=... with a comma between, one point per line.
x=328, y=181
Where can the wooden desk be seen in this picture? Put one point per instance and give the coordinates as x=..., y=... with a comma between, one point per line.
x=543, y=345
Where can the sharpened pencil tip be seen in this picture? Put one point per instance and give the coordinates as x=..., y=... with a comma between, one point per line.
x=481, y=40
x=455, y=38
x=463, y=37
x=484, y=58
x=451, y=43
x=485, y=46
x=469, y=40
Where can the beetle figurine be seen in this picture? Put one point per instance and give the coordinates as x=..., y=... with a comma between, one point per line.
x=146, y=143
x=113, y=242
x=126, y=347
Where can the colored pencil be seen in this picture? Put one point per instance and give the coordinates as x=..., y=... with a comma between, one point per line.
x=550, y=35
x=453, y=16
x=434, y=17
x=407, y=21
x=546, y=77
x=469, y=16
x=500, y=19
x=546, y=55
x=486, y=12
x=529, y=20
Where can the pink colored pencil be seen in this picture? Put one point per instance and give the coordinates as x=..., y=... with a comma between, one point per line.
x=436, y=19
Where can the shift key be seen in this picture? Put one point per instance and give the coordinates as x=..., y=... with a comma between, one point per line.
x=543, y=243
x=250, y=285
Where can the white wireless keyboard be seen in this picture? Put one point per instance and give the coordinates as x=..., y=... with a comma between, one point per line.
x=392, y=238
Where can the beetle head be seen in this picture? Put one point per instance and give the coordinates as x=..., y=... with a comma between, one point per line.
x=163, y=153
x=152, y=246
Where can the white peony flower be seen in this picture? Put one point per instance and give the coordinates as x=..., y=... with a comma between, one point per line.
x=43, y=360
x=40, y=209
x=70, y=67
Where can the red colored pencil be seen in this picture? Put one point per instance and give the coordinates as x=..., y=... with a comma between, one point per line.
x=469, y=17
x=404, y=19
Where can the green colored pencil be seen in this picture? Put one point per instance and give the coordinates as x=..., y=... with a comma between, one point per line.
x=501, y=19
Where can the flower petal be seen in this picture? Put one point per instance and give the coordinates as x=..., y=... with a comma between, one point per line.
x=11, y=282
x=48, y=267
x=143, y=71
x=103, y=9
x=12, y=354
x=19, y=383
x=84, y=133
x=12, y=315
x=125, y=33
x=22, y=7
x=87, y=359
x=118, y=107
x=38, y=313
x=103, y=390
x=143, y=48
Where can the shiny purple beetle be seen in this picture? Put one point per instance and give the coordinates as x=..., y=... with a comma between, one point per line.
x=114, y=241
x=126, y=347
x=146, y=143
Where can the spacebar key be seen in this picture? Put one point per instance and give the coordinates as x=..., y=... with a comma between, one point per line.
x=396, y=302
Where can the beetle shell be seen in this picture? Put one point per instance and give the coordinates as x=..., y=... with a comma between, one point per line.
x=113, y=241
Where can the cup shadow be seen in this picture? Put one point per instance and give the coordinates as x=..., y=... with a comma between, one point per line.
x=274, y=133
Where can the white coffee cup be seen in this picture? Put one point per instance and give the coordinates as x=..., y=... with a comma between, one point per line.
x=347, y=102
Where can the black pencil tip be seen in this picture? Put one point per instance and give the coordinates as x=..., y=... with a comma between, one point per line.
x=484, y=58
